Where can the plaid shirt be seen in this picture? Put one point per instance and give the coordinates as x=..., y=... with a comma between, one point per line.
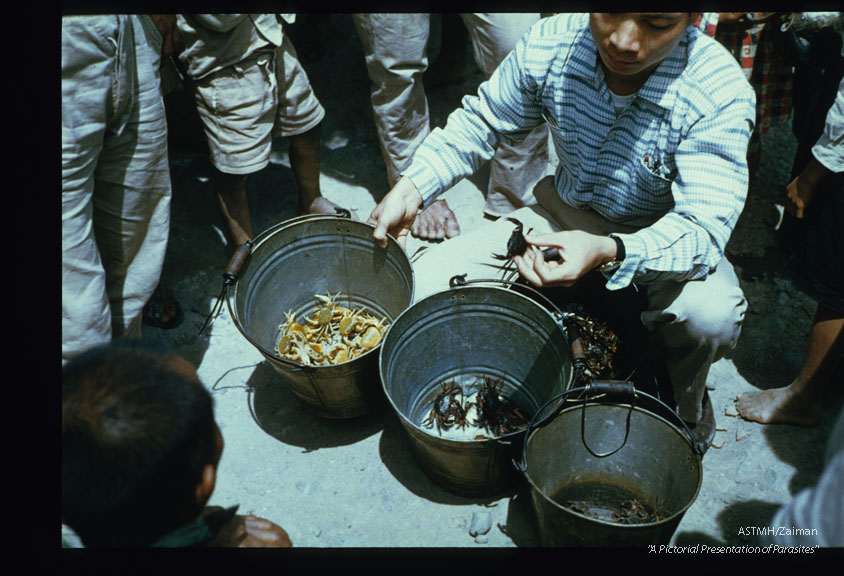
x=673, y=162
x=762, y=62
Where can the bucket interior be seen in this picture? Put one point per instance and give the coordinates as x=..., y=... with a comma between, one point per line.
x=292, y=263
x=468, y=333
x=465, y=334
x=583, y=499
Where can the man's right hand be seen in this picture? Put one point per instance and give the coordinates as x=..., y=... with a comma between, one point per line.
x=394, y=215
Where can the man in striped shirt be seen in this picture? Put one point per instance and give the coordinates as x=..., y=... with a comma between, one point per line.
x=650, y=120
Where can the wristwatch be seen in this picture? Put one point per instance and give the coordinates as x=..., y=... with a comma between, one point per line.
x=614, y=264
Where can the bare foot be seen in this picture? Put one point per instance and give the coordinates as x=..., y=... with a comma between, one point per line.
x=322, y=205
x=778, y=406
x=436, y=222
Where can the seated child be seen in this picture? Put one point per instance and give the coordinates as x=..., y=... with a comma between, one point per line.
x=140, y=449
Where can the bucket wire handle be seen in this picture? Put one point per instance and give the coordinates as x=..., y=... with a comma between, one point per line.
x=611, y=386
x=522, y=465
x=230, y=276
x=602, y=387
x=699, y=447
x=340, y=213
x=460, y=280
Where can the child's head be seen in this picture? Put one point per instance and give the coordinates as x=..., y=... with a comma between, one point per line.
x=139, y=444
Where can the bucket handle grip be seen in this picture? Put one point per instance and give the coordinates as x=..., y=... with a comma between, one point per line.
x=241, y=255
x=230, y=276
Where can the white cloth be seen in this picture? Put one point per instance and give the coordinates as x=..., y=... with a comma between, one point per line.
x=396, y=57
x=115, y=177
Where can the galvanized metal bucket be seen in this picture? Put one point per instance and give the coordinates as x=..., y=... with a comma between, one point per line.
x=289, y=264
x=605, y=471
x=466, y=332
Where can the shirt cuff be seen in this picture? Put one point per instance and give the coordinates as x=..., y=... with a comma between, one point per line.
x=829, y=154
x=425, y=178
x=634, y=250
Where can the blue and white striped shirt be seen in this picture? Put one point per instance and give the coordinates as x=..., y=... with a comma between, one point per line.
x=673, y=162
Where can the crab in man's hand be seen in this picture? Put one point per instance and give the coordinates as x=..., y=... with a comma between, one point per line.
x=517, y=245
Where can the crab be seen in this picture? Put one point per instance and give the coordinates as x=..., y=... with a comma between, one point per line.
x=600, y=345
x=447, y=410
x=293, y=336
x=496, y=413
x=516, y=244
x=320, y=322
x=331, y=335
x=635, y=512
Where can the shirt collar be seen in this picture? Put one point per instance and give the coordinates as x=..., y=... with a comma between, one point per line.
x=657, y=89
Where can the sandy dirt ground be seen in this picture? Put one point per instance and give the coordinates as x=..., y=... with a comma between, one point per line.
x=357, y=483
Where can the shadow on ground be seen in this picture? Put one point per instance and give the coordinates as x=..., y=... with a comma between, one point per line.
x=281, y=415
x=805, y=448
x=397, y=454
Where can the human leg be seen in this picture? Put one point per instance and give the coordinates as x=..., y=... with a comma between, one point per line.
x=516, y=167
x=230, y=191
x=801, y=402
x=133, y=192
x=395, y=46
x=305, y=163
x=812, y=266
x=698, y=322
x=299, y=116
x=450, y=65
x=90, y=48
x=237, y=107
x=396, y=57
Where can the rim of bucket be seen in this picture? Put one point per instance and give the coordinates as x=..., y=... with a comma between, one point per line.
x=458, y=441
x=646, y=525
x=261, y=238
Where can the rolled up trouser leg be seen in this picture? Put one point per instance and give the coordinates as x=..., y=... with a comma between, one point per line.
x=395, y=46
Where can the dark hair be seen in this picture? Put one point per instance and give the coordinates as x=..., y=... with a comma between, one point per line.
x=136, y=435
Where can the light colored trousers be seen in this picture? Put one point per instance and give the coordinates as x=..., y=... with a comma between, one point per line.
x=396, y=46
x=115, y=177
x=699, y=321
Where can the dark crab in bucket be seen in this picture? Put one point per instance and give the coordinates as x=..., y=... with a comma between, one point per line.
x=486, y=411
x=630, y=511
x=497, y=414
x=599, y=344
x=448, y=409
